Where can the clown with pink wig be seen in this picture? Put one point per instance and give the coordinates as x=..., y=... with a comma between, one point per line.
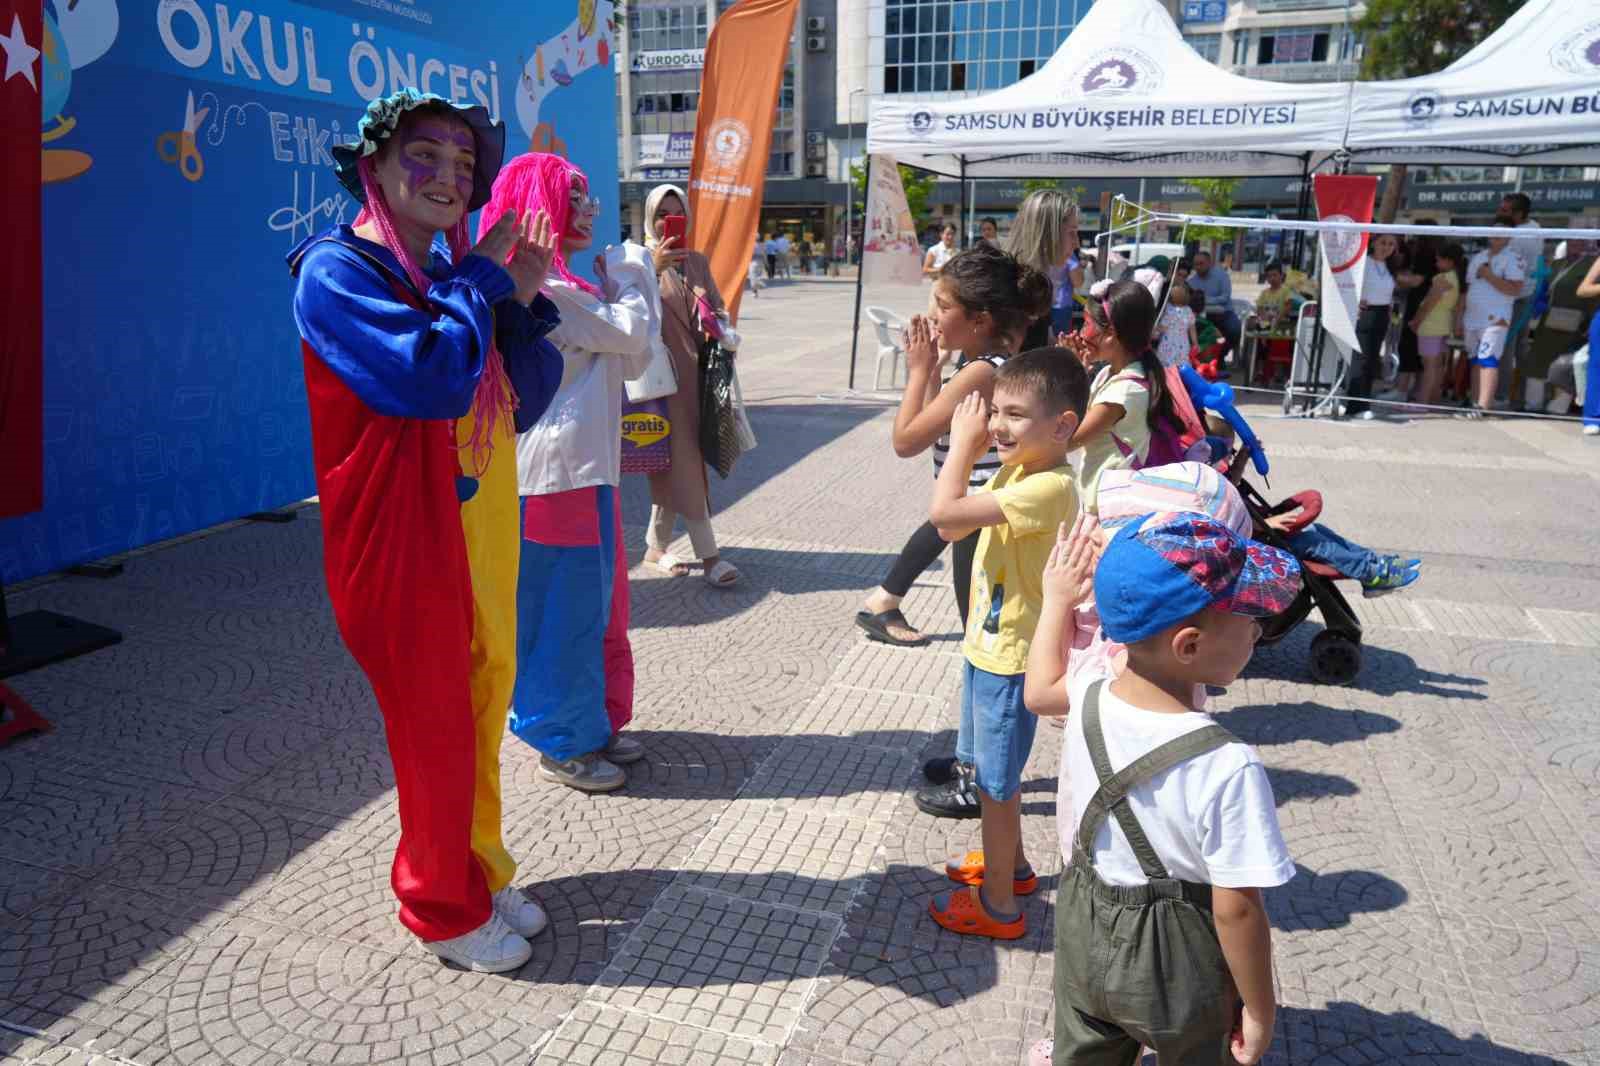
x=574, y=687
x=421, y=361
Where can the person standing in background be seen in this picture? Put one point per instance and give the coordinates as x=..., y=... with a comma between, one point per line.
x=1372, y=324
x=1529, y=247
x=770, y=250
x=940, y=254
x=989, y=232
x=1044, y=236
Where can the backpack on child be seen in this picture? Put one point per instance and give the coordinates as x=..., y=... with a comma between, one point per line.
x=1168, y=442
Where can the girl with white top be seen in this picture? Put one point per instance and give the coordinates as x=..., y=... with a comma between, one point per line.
x=1176, y=328
x=940, y=254
x=1129, y=394
x=574, y=689
x=1372, y=323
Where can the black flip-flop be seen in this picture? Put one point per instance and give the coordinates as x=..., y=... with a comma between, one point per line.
x=877, y=627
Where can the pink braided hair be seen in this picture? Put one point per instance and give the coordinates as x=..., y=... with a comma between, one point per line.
x=494, y=398
x=535, y=181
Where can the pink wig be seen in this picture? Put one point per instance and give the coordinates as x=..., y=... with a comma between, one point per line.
x=533, y=182
x=494, y=399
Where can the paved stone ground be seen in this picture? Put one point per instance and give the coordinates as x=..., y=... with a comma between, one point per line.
x=193, y=865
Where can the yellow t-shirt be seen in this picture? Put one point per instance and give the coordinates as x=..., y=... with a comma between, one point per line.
x=1131, y=391
x=1008, y=568
x=1441, y=320
x=1271, y=302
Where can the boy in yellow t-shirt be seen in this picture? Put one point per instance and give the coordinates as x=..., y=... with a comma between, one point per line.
x=1039, y=399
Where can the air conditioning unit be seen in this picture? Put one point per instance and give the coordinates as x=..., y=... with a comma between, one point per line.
x=815, y=137
x=816, y=170
x=816, y=151
x=816, y=44
x=816, y=24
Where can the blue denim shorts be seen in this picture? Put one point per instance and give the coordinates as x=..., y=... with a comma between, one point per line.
x=996, y=730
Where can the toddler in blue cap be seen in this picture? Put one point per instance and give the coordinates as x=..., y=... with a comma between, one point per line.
x=1162, y=939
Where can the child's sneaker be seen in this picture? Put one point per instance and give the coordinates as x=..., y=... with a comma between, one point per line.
x=957, y=798
x=525, y=917
x=1392, y=574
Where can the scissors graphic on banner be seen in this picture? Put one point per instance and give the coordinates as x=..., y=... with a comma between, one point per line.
x=178, y=146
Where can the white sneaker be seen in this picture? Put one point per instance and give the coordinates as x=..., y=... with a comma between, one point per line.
x=490, y=948
x=1591, y=430
x=525, y=917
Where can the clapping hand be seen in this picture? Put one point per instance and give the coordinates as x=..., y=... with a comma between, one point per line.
x=1078, y=345
x=1069, y=572
x=531, y=256
x=969, y=427
x=922, y=350
x=496, y=244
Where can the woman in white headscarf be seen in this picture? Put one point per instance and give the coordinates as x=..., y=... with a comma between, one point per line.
x=682, y=492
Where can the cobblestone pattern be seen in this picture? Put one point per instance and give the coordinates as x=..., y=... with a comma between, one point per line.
x=194, y=864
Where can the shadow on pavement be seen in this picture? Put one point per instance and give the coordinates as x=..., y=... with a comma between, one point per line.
x=1349, y=1032
x=1384, y=672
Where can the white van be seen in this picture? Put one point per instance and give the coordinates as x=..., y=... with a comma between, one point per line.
x=1145, y=251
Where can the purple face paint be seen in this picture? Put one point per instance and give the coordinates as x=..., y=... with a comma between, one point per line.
x=437, y=150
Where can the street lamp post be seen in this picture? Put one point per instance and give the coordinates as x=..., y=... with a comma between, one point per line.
x=849, y=184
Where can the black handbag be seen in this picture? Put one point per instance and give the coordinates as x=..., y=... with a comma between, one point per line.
x=719, y=439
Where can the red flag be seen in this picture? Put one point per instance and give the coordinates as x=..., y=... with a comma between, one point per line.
x=738, y=94
x=21, y=342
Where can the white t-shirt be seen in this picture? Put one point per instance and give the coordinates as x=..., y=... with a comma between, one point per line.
x=1484, y=301
x=1530, y=249
x=1378, y=288
x=942, y=254
x=1211, y=819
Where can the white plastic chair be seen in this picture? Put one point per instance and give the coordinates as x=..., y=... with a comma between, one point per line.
x=887, y=325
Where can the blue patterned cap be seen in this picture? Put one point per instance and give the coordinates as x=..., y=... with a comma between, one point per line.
x=1158, y=571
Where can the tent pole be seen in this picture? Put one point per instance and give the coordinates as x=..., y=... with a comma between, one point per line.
x=861, y=268
x=966, y=217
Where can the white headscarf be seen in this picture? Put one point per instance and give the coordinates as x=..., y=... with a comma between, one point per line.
x=652, y=204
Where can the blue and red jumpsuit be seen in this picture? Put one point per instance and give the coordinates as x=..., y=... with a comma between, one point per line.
x=388, y=371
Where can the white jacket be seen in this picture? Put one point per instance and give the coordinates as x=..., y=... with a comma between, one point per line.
x=578, y=441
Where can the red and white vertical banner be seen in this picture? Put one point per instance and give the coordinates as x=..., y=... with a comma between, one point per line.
x=22, y=340
x=890, y=252
x=1343, y=198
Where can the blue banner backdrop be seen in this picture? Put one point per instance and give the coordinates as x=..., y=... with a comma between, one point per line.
x=185, y=151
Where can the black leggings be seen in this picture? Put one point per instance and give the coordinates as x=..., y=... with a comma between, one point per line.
x=919, y=553
x=1371, y=328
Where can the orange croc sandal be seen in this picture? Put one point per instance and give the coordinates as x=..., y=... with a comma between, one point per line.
x=962, y=912
x=969, y=871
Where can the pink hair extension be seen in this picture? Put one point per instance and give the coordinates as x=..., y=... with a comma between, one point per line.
x=494, y=399
x=533, y=182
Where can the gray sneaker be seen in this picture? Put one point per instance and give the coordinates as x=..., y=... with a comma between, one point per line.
x=622, y=750
x=586, y=773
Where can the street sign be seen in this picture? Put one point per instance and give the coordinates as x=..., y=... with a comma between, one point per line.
x=1202, y=11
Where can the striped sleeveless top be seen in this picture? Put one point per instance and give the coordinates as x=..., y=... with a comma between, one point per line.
x=989, y=463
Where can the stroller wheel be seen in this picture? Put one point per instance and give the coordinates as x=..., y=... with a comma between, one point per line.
x=1335, y=658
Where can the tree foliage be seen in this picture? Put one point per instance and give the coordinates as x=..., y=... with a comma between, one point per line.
x=1216, y=198
x=1409, y=38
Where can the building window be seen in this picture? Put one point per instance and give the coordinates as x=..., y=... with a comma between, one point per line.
x=660, y=27
x=1305, y=44
x=1207, y=45
x=1241, y=49
x=971, y=45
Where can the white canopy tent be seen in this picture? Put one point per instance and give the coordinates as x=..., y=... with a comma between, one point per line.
x=1127, y=96
x=1528, y=95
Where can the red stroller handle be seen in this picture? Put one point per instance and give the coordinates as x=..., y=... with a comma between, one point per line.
x=1308, y=503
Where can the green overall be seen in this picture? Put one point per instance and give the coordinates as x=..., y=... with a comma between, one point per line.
x=1137, y=965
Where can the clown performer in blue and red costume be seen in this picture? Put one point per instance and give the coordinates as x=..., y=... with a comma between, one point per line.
x=421, y=363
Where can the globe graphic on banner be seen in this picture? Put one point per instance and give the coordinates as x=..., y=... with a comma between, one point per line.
x=56, y=164
x=57, y=81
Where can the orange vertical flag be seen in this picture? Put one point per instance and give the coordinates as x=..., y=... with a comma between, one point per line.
x=745, y=58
